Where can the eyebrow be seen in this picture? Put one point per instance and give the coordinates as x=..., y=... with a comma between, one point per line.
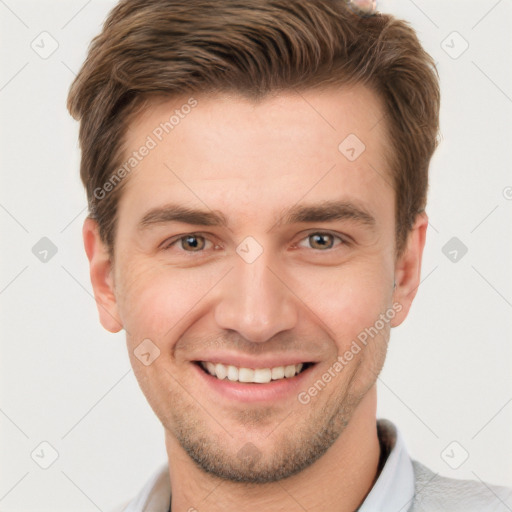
x=326, y=211
x=178, y=213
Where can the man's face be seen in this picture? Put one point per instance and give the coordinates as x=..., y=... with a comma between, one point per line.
x=274, y=286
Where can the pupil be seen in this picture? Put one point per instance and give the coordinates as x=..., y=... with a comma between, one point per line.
x=193, y=242
x=320, y=240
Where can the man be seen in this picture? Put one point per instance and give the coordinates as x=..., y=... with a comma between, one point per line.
x=257, y=176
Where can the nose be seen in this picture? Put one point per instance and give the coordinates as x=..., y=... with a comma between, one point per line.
x=256, y=301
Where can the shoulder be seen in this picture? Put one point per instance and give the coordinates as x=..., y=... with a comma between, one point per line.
x=436, y=493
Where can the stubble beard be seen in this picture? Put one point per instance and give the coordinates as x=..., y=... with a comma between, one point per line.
x=297, y=443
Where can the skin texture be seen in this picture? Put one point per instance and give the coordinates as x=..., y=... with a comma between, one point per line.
x=251, y=161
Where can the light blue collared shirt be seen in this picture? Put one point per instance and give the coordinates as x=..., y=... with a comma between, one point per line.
x=394, y=489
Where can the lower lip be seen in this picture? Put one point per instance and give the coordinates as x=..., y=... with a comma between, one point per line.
x=249, y=392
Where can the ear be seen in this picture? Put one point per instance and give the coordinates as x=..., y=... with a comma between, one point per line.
x=408, y=268
x=100, y=271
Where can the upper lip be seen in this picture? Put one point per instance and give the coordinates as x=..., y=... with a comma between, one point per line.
x=243, y=361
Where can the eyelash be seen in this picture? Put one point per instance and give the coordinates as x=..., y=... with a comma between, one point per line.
x=170, y=243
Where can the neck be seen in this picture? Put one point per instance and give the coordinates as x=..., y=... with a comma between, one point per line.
x=338, y=481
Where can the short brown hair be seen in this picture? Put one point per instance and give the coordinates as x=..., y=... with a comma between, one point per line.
x=176, y=47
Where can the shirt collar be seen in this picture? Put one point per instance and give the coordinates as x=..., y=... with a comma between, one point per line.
x=392, y=492
x=394, y=489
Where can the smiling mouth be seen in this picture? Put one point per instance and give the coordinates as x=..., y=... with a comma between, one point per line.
x=252, y=375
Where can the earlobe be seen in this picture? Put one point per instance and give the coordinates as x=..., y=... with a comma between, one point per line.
x=408, y=268
x=100, y=267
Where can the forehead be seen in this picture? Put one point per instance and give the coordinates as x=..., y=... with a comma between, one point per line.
x=247, y=157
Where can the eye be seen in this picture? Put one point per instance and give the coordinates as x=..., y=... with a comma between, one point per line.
x=321, y=241
x=194, y=242
x=188, y=243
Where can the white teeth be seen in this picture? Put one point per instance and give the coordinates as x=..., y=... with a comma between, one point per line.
x=221, y=371
x=289, y=371
x=262, y=375
x=278, y=372
x=258, y=375
x=232, y=372
x=244, y=375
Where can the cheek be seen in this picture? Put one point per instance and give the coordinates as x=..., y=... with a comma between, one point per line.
x=155, y=300
x=356, y=310
x=347, y=299
x=347, y=302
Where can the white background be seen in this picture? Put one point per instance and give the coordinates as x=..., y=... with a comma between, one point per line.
x=66, y=381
